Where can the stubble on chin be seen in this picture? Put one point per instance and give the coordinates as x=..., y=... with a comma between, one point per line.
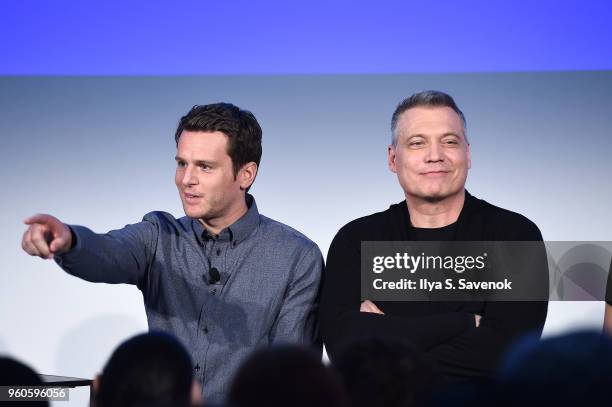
x=432, y=197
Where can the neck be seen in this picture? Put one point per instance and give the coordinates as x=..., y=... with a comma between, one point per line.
x=435, y=214
x=215, y=225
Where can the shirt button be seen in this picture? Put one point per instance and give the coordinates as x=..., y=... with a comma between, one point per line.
x=205, y=329
x=197, y=368
x=234, y=243
x=218, y=252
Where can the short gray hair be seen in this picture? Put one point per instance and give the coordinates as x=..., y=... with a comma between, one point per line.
x=425, y=98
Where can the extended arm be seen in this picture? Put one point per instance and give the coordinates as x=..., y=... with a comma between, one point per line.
x=120, y=256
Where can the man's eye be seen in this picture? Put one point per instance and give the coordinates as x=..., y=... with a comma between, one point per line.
x=415, y=143
x=180, y=164
x=451, y=142
x=204, y=167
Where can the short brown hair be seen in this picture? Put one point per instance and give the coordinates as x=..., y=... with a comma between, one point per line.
x=240, y=127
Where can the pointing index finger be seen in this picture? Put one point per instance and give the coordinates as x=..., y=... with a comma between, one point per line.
x=38, y=218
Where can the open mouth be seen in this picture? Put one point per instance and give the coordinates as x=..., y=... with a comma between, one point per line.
x=191, y=198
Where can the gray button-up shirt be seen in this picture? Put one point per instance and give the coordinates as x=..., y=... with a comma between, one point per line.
x=267, y=289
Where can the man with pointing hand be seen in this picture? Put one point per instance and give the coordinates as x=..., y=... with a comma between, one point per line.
x=223, y=279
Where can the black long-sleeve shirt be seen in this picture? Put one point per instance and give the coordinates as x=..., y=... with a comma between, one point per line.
x=445, y=331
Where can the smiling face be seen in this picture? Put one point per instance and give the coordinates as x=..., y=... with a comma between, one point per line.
x=432, y=157
x=205, y=178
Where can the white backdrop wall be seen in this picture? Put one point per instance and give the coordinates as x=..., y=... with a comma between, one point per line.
x=99, y=151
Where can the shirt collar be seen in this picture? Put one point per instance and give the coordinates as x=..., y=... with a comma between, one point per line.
x=237, y=231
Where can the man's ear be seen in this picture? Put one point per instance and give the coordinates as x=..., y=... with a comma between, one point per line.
x=391, y=158
x=247, y=174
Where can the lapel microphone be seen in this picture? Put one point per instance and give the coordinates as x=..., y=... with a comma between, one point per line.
x=215, y=277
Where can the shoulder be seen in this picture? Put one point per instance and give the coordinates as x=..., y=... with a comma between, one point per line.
x=166, y=222
x=277, y=231
x=291, y=247
x=377, y=226
x=503, y=223
x=380, y=226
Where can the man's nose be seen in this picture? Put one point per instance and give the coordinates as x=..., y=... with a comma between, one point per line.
x=434, y=153
x=189, y=177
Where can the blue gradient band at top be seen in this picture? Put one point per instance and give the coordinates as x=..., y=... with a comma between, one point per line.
x=76, y=37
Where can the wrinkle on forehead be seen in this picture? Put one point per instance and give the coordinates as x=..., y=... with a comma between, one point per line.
x=430, y=122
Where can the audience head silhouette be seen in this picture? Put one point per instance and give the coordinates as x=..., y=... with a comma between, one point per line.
x=286, y=376
x=151, y=369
